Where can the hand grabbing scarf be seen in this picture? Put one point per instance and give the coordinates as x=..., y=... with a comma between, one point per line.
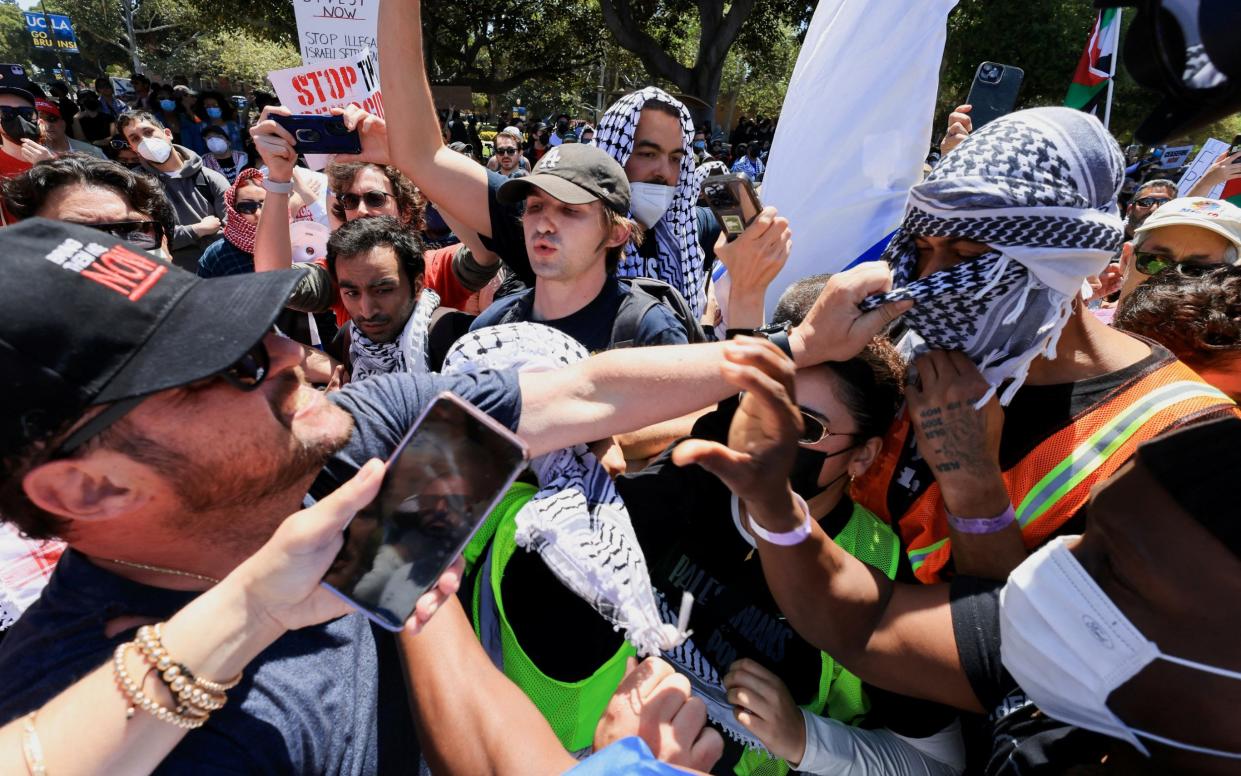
x=1039, y=187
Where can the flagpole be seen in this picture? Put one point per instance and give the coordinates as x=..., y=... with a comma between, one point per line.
x=1111, y=80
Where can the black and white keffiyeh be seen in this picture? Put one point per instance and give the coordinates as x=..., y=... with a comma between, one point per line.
x=1039, y=187
x=679, y=260
x=577, y=521
x=407, y=353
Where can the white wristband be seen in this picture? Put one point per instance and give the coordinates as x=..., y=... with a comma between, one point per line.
x=785, y=538
x=277, y=187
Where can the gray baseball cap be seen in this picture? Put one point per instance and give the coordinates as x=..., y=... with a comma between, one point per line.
x=576, y=174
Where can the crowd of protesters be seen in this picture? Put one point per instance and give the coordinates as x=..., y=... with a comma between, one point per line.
x=960, y=510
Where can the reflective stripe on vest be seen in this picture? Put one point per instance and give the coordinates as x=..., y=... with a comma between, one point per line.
x=1091, y=454
x=1051, y=482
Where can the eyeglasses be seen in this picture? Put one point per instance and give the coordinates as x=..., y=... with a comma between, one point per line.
x=505, y=151
x=1151, y=201
x=814, y=428
x=373, y=199
x=9, y=111
x=1154, y=263
x=246, y=374
x=249, y=207
x=147, y=235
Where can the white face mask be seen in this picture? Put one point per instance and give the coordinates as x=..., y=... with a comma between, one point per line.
x=649, y=201
x=217, y=145
x=1068, y=646
x=155, y=149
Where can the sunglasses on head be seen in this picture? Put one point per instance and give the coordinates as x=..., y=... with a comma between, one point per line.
x=815, y=428
x=505, y=151
x=249, y=207
x=1151, y=201
x=147, y=235
x=246, y=374
x=374, y=199
x=1154, y=263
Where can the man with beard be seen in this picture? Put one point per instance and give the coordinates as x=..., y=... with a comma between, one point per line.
x=378, y=266
x=1146, y=200
x=167, y=445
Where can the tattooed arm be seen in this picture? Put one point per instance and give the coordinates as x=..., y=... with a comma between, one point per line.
x=962, y=447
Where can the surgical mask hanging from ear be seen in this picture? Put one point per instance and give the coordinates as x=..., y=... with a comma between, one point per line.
x=155, y=149
x=649, y=201
x=1069, y=646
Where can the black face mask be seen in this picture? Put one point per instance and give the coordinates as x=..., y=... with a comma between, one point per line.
x=18, y=128
x=804, y=478
x=562, y=127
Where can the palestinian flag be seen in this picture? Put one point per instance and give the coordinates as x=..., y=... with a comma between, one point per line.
x=1088, y=91
x=1232, y=192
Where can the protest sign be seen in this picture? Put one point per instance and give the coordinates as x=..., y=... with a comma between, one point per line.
x=1174, y=156
x=1211, y=150
x=322, y=87
x=60, y=37
x=328, y=30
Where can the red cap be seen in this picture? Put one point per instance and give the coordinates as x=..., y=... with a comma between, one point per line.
x=47, y=106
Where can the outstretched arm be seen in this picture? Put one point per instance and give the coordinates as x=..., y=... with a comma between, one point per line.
x=899, y=637
x=625, y=390
x=454, y=182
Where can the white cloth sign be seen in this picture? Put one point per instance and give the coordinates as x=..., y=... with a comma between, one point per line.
x=320, y=88
x=1211, y=150
x=855, y=128
x=328, y=30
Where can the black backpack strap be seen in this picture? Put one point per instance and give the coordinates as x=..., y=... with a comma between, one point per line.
x=633, y=308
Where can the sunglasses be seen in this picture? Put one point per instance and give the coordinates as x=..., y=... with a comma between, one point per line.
x=1151, y=201
x=505, y=151
x=147, y=235
x=9, y=111
x=373, y=199
x=814, y=428
x=119, y=142
x=246, y=374
x=249, y=207
x=1154, y=263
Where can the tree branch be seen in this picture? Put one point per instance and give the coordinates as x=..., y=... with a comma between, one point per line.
x=618, y=15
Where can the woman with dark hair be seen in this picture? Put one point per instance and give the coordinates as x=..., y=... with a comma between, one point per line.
x=220, y=155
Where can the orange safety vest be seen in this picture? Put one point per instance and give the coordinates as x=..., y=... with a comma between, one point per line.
x=1053, y=481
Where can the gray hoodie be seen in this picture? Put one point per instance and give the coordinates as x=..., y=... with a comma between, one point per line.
x=195, y=193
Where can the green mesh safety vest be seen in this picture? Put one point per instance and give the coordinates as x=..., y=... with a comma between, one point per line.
x=573, y=709
x=871, y=541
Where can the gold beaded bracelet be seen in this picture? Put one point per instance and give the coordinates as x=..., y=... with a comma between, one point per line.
x=191, y=691
x=194, y=718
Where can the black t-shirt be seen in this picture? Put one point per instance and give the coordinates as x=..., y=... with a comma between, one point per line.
x=1023, y=740
x=591, y=325
x=508, y=238
x=684, y=520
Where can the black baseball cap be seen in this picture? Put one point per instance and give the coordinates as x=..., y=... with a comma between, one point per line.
x=574, y=173
x=13, y=80
x=86, y=319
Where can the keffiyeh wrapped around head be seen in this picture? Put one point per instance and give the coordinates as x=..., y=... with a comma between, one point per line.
x=237, y=230
x=1039, y=187
x=679, y=260
x=577, y=521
